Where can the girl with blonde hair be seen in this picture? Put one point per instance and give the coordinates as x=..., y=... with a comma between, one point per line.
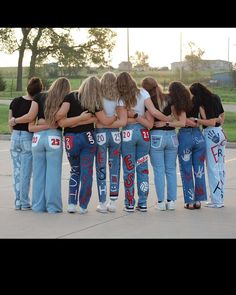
x=109, y=141
x=80, y=140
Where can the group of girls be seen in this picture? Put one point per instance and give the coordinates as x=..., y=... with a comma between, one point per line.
x=108, y=119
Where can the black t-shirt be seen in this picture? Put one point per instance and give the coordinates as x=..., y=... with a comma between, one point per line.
x=40, y=99
x=195, y=109
x=19, y=107
x=214, y=110
x=75, y=110
x=166, y=111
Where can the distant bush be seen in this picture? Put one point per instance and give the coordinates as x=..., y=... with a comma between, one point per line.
x=3, y=84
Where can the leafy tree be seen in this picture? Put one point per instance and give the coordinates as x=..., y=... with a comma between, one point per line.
x=140, y=59
x=195, y=56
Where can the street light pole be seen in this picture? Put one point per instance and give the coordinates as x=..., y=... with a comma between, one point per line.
x=128, y=43
x=181, y=67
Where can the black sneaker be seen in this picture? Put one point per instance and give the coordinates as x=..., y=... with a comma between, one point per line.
x=141, y=208
x=129, y=208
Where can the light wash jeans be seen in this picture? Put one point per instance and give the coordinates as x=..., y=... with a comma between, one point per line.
x=192, y=153
x=22, y=166
x=47, y=152
x=215, y=156
x=135, y=150
x=108, y=141
x=163, y=154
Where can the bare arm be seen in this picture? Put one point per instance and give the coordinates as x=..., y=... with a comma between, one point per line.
x=121, y=120
x=64, y=109
x=36, y=128
x=147, y=120
x=29, y=117
x=154, y=112
x=102, y=117
x=180, y=121
x=207, y=122
x=9, y=118
x=75, y=121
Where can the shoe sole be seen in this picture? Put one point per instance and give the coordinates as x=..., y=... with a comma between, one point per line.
x=101, y=211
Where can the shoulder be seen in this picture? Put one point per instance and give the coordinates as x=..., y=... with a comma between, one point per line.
x=71, y=97
x=144, y=94
x=15, y=101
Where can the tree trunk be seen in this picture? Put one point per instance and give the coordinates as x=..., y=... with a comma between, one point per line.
x=34, y=49
x=25, y=32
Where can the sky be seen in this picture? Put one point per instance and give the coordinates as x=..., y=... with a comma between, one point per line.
x=162, y=45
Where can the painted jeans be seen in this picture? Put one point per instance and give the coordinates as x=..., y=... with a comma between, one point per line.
x=21, y=155
x=215, y=155
x=80, y=149
x=163, y=154
x=135, y=149
x=108, y=141
x=191, y=154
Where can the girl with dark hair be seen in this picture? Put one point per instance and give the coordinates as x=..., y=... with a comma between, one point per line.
x=212, y=117
x=135, y=139
x=191, y=154
x=47, y=147
x=80, y=141
x=21, y=137
x=164, y=145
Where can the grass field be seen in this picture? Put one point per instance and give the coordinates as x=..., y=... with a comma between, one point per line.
x=229, y=126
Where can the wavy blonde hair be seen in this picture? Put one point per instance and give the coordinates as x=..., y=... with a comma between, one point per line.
x=55, y=95
x=90, y=94
x=109, y=86
x=128, y=89
x=158, y=97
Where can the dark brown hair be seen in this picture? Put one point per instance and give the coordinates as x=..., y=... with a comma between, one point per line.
x=34, y=86
x=180, y=96
x=128, y=89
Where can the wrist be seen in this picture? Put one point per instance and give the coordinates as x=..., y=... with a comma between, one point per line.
x=167, y=124
x=135, y=115
x=196, y=120
x=14, y=120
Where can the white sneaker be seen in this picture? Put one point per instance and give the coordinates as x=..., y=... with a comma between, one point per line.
x=82, y=210
x=71, y=208
x=17, y=205
x=102, y=208
x=214, y=205
x=111, y=206
x=171, y=205
x=161, y=206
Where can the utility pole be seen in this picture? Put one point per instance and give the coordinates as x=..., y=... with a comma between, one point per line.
x=181, y=67
x=128, y=44
x=228, y=52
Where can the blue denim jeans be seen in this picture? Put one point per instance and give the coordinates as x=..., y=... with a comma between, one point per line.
x=135, y=150
x=163, y=154
x=22, y=165
x=80, y=149
x=47, y=149
x=215, y=154
x=108, y=140
x=191, y=154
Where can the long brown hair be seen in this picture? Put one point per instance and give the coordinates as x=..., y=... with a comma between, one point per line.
x=128, y=89
x=180, y=96
x=90, y=94
x=109, y=86
x=55, y=95
x=156, y=92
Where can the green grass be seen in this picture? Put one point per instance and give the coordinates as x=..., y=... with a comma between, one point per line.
x=229, y=126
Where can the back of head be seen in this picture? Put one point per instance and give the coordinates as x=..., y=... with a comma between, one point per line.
x=156, y=92
x=180, y=96
x=90, y=94
x=34, y=86
x=55, y=96
x=202, y=92
x=128, y=89
x=109, y=86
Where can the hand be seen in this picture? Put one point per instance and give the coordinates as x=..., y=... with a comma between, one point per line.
x=131, y=113
x=159, y=124
x=215, y=137
x=186, y=155
x=219, y=120
x=11, y=122
x=170, y=118
x=85, y=116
